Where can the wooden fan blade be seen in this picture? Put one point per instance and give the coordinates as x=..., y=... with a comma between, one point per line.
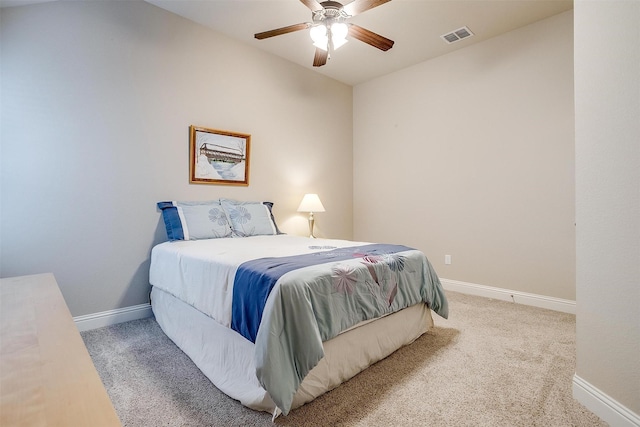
x=369, y=37
x=312, y=4
x=283, y=30
x=359, y=6
x=320, y=58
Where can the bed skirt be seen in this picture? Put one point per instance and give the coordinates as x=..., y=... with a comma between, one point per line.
x=227, y=358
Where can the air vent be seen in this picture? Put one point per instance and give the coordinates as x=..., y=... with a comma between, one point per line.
x=459, y=34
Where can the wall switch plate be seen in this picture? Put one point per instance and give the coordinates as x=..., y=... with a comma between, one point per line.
x=447, y=259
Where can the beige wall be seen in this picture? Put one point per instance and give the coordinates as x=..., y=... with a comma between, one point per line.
x=607, y=84
x=97, y=98
x=471, y=154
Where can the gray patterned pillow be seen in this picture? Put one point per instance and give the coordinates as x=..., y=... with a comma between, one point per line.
x=250, y=218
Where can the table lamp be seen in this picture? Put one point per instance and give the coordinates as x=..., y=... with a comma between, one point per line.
x=311, y=203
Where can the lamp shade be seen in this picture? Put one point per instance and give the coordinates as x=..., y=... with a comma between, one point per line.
x=319, y=36
x=311, y=203
x=339, y=30
x=318, y=33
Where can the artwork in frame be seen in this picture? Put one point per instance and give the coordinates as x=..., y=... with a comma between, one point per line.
x=218, y=156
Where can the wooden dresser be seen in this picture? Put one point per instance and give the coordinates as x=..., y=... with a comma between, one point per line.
x=47, y=377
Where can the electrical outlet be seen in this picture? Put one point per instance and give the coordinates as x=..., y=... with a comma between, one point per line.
x=447, y=259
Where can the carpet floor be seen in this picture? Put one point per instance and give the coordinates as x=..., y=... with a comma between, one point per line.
x=492, y=363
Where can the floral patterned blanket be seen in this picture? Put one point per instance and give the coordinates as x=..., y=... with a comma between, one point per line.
x=288, y=306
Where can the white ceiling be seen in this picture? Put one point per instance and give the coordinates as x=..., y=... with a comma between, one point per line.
x=414, y=25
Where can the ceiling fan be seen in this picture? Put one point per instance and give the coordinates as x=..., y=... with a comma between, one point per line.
x=329, y=28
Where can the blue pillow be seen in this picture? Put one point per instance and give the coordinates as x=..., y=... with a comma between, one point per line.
x=250, y=218
x=194, y=220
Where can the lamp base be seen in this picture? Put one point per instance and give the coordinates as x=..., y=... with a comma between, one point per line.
x=311, y=222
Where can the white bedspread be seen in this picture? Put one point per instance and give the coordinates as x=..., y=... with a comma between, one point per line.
x=208, y=286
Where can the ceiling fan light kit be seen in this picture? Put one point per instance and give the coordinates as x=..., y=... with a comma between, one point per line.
x=336, y=37
x=329, y=28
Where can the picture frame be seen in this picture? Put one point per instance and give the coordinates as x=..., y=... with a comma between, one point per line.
x=218, y=156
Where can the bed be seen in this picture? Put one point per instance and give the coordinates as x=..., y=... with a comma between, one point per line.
x=275, y=320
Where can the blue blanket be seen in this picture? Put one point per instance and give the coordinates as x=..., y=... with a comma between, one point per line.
x=255, y=279
x=289, y=306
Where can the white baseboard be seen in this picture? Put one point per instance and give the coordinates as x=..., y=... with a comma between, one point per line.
x=112, y=317
x=608, y=409
x=541, y=301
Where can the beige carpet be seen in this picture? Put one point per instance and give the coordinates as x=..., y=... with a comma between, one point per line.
x=493, y=363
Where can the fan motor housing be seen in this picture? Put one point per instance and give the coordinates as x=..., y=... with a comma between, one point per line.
x=331, y=10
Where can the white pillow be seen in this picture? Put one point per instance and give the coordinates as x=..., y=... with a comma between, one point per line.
x=195, y=220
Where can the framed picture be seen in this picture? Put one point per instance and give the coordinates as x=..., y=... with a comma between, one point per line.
x=218, y=156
